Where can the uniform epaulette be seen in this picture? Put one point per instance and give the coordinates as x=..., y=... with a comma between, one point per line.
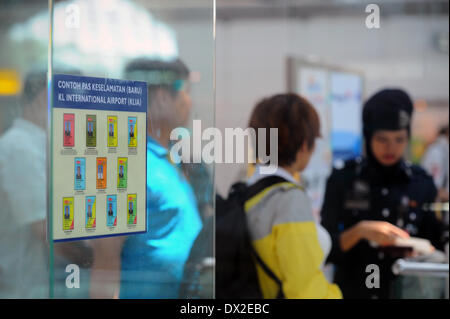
x=419, y=172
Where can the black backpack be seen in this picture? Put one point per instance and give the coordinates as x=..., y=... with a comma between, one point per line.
x=236, y=275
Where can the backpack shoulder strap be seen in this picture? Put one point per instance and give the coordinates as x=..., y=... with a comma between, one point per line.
x=263, y=184
x=253, y=195
x=269, y=273
x=257, y=191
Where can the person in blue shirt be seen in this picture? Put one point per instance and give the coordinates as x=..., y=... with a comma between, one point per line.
x=152, y=263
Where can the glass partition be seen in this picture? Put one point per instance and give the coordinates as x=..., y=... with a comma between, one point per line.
x=65, y=243
x=168, y=45
x=24, y=251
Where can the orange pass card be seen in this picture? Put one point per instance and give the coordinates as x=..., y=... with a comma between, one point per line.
x=101, y=172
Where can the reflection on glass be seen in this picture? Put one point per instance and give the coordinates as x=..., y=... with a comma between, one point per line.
x=102, y=39
x=23, y=248
x=152, y=263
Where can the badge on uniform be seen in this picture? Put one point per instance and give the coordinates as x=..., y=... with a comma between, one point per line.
x=111, y=210
x=90, y=212
x=91, y=130
x=356, y=204
x=132, y=209
x=403, y=119
x=101, y=172
x=69, y=130
x=68, y=218
x=132, y=132
x=122, y=172
x=361, y=187
x=80, y=173
x=358, y=197
x=112, y=131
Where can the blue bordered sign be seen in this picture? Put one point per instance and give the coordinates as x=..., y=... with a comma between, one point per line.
x=75, y=100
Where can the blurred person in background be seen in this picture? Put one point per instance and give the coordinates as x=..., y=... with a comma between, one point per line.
x=23, y=259
x=151, y=265
x=23, y=196
x=281, y=223
x=198, y=272
x=436, y=161
x=372, y=202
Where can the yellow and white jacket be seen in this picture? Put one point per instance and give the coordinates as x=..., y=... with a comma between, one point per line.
x=286, y=237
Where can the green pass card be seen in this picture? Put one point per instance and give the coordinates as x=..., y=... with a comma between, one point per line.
x=132, y=209
x=91, y=130
x=122, y=172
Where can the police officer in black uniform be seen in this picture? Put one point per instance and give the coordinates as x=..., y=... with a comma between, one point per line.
x=371, y=201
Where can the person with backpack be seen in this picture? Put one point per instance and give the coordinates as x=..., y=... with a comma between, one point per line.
x=285, y=242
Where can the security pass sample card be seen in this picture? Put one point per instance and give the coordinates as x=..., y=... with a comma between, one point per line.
x=98, y=171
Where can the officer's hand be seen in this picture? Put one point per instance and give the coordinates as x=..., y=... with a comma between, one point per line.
x=382, y=233
x=443, y=196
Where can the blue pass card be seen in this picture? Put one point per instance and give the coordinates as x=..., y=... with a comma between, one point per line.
x=80, y=173
x=91, y=217
x=111, y=210
x=132, y=132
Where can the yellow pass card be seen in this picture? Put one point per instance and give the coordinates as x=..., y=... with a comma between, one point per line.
x=132, y=209
x=90, y=212
x=67, y=213
x=112, y=131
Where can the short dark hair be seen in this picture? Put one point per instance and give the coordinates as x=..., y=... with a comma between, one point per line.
x=157, y=73
x=297, y=122
x=35, y=82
